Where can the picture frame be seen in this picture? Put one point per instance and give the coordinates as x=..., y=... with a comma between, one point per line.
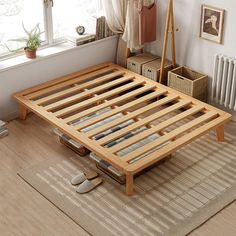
x=212, y=23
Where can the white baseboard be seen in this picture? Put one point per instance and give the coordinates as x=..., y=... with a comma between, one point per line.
x=10, y=116
x=232, y=112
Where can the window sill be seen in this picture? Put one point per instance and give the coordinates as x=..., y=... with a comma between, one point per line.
x=43, y=54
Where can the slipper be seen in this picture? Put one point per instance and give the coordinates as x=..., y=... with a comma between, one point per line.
x=81, y=177
x=89, y=185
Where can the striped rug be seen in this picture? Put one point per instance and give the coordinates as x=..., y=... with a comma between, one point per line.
x=172, y=199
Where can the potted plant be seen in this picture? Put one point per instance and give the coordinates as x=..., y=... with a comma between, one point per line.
x=32, y=41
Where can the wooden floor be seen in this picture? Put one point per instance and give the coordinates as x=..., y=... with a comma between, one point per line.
x=24, y=212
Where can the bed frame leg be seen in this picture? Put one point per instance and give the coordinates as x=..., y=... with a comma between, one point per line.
x=220, y=133
x=22, y=112
x=129, y=184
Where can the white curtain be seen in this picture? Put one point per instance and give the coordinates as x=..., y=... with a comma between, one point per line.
x=115, y=14
x=132, y=31
x=115, y=11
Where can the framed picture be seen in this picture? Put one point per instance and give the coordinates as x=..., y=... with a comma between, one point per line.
x=212, y=20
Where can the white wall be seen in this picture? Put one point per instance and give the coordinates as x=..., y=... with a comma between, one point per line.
x=39, y=71
x=191, y=50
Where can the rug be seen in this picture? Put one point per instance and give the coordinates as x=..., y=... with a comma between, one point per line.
x=171, y=199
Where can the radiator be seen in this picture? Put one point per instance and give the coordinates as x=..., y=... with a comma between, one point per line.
x=223, y=89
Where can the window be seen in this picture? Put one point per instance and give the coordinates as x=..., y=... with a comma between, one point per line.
x=78, y=12
x=57, y=19
x=12, y=14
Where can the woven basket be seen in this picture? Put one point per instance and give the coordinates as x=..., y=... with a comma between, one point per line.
x=189, y=82
x=135, y=63
x=152, y=70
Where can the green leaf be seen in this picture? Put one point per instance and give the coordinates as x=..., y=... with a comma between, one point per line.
x=32, y=41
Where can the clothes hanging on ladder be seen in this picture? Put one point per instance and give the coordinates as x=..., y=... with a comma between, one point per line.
x=131, y=32
x=140, y=24
x=147, y=24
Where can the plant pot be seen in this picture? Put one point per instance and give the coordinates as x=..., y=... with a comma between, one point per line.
x=30, y=53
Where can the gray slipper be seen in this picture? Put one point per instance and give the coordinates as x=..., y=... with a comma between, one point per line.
x=89, y=185
x=81, y=177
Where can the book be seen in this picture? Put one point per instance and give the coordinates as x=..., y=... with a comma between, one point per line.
x=97, y=27
x=102, y=28
x=99, y=32
x=77, y=39
x=103, y=20
x=3, y=129
x=85, y=41
x=4, y=133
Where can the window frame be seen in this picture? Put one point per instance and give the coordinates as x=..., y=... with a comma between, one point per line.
x=48, y=28
x=48, y=24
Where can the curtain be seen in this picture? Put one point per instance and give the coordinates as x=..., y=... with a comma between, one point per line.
x=115, y=11
x=132, y=28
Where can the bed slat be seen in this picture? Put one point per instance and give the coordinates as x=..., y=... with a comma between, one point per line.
x=76, y=88
x=89, y=92
x=118, y=110
x=98, y=98
x=110, y=103
x=132, y=115
x=69, y=82
x=177, y=144
x=167, y=137
x=156, y=129
x=145, y=121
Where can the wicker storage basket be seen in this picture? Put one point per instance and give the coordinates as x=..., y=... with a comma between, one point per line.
x=135, y=63
x=152, y=70
x=189, y=82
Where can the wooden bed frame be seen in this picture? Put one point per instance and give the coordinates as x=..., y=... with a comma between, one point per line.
x=70, y=98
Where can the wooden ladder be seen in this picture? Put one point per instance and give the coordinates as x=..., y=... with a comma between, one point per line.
x=169, y=29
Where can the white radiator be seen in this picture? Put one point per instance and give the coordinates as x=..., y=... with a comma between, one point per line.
x=224, y=81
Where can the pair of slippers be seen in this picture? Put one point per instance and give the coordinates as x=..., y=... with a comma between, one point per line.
x=87, y=181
